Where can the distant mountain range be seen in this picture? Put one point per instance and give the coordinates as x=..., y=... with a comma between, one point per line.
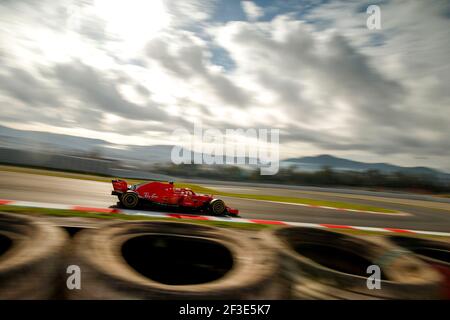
x=35, y=140
x=315, y=163
x=44, y=141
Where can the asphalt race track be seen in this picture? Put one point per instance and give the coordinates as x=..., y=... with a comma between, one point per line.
x=424, y=215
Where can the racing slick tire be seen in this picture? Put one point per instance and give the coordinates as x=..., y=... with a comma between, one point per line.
x=173, y=260
x=31, y=256
x=129, y=199
x=218, y=207
x=321, y=264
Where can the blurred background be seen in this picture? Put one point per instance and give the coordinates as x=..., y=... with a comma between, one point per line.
x=99, y=86
x=95, y=89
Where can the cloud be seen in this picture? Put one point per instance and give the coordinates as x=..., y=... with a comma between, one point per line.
x=314, y=71
x=23, y=86
x=96, y=89
x=187, y=56
x=328, y=86
x=189, y=13
x=252, y=11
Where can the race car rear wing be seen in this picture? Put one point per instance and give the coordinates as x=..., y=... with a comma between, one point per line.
x=119, y=186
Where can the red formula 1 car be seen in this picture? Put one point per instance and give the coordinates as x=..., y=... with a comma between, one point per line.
x=165, y=194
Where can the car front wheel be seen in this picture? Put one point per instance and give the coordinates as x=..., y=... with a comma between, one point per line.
x=217, y=207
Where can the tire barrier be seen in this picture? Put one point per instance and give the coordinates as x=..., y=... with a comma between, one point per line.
x=172, y=260
x=320, y=264
x=30, y=258
x=435, y=253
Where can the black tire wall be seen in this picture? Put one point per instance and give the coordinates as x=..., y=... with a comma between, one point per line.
x=320, y=264
x=30, y=258
x=435, y=253
x=115, y=266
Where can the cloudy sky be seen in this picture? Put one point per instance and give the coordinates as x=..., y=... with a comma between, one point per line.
x=131, y=71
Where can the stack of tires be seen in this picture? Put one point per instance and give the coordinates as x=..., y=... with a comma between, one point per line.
x=435, y=253
x=320, y=264
x=171, y=260
x=30, y=258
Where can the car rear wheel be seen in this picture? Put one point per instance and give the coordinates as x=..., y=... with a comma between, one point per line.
x=129, y=200
x=218, y=207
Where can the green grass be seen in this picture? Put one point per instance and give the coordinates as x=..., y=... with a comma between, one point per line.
x=442, y=195
x=314, y=202
x=197, y=188
x=334, y=204
x=220, y=224
x=118, y=216
x=200, y=189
